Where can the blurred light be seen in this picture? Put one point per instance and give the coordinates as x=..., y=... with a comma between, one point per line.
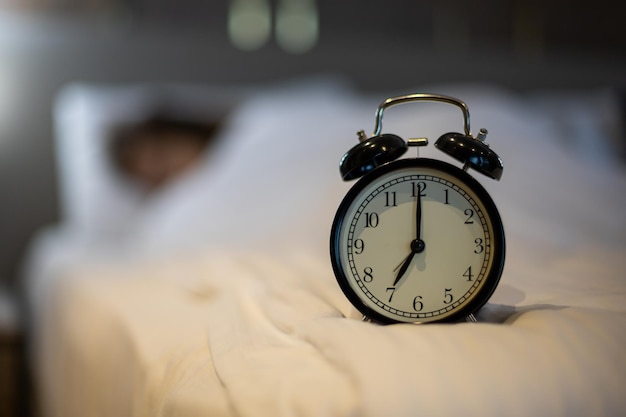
x=451, y=29
x=6, y=96
x=297, y=25
x=249, y=23
x=528, y=31
x=11, y=86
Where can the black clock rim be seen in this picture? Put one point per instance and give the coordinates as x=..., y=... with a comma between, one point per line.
x=493, y=276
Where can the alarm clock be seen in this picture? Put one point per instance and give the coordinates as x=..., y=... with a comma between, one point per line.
x=418, y=240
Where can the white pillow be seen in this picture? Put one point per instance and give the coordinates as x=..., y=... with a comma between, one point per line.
x=95, y=200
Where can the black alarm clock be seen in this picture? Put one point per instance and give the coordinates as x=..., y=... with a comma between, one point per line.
x=418, y=240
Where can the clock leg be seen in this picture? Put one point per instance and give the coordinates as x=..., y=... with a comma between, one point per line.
x=471, y=318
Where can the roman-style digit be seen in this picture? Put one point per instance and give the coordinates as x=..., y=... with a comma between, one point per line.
x=359, y=246
x=368, y=274
x=371, y=219
x=418, y=187
x=417, y=303
x=479, y=245
x=468, y=273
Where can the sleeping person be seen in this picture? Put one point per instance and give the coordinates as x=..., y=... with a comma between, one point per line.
x=155, y=151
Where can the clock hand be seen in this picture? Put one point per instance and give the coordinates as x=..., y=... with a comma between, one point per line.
x=417, y=245
x=402, y=262
x=418, y=215
x=404, y=267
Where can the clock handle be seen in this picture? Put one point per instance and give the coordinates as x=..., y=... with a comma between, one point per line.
x=472, y=151
x=380, y=148
x=392, y=101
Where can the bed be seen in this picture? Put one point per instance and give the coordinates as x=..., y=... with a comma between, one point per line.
x=217, y=297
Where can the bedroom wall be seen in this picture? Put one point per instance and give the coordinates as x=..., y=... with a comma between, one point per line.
x=380, y=45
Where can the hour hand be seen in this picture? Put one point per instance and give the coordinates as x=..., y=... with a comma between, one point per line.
x=404, y=267
x=417, y=246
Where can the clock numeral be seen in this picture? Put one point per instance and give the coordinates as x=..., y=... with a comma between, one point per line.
x=447, y=297
x=371, y=219
x=417, y=303
x=479, y=245
x=391, y=290
x=390, y=199
x=368, y=274
x=359, y=246
x=468, y=274
x=418, y=187
x=470, y=214
x=447, y=196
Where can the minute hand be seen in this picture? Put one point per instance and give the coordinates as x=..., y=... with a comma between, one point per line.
x=418, y=216
x=417, y=245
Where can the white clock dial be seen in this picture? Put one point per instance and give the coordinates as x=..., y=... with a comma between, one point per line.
x=416, y=243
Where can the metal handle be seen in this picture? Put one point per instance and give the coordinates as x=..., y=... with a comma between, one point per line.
x=392, y=101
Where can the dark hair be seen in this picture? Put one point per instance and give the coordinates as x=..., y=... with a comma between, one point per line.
x=158, y=128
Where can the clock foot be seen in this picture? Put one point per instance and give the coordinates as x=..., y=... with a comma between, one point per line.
x=471, y=318
x=366, y=319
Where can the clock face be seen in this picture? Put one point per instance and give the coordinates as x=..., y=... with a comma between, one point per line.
x=417, y=240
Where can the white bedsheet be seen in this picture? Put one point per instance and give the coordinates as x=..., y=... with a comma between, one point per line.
x=253, y=334
x=251, y=322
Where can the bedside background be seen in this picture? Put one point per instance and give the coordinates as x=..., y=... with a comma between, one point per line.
x=391, y=47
